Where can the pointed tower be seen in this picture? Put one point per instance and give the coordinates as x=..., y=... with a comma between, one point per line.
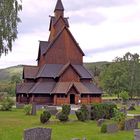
x=60, y=77
x=59, y=9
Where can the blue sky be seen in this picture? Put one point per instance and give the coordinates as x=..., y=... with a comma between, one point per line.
x=103, y=28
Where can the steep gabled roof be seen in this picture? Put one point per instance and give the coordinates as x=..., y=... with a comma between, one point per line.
x=82, y=88
x=62, y=87
x=49, y=70
x=42, y=87
x=92, y=88
x=59, y=6
x=54, y=21
x=79, y=69
x=83, y=72
x=24, y=87
x=58, y=35
x=29, y=72
x=43, y=46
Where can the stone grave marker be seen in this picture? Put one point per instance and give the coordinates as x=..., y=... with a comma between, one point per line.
x=131, y=124
x=52, y=109
x=137, y=117
x=37, y=134
x=112, y=128
x=33, y=112
x=136, y=134
x=100, y=122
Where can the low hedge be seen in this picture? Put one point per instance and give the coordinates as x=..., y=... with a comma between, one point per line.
x=102, y=110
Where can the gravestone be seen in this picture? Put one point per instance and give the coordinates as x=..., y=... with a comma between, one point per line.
x=111, y=128
x=52, y=109
x=136, y=134
x=131, y=124
x=137, y=117
x=100, y=122
x=89, y=111
x=37, y=134
x=33, y=112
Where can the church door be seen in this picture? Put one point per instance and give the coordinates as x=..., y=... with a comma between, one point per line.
x=72, y=99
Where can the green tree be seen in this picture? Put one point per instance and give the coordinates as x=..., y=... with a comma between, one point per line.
x=131, y=61
x=122, y=75
x=113, y=78
x=9, y=20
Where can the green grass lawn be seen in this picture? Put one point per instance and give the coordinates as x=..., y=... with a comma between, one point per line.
x=12, y=125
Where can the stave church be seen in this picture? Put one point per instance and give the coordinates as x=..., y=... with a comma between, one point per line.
x=59, y=77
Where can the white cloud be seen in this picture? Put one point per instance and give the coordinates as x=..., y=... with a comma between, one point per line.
x=97, y=26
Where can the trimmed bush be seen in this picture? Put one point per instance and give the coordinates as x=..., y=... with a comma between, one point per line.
x=102, y=111
x=63, y=117
x=82, y=113
x=27, y=109
x=64, y=114
x=104, y=128
x=6, y=104
x=119, y=117
x=45, y=116
x=66, y=109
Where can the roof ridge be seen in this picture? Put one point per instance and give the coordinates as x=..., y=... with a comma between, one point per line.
x=63, y=69
x=40, y=70
x=34, y=87
x=63, y=18
x=53, y=41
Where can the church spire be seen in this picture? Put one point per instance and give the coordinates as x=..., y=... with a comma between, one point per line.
x=59, y=6
x=59, y=9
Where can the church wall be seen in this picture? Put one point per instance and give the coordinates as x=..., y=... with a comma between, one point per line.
x=41, y=61
x=56, y=54
x=69, y=75
x=73, y=53
x=58, y=26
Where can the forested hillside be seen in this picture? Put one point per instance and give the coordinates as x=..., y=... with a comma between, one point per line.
x=7, y=73
x=122, y=75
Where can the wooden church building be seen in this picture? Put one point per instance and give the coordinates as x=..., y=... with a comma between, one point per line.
x=60, y=77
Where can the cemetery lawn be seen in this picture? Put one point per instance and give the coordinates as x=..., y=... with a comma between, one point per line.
x=137, y=111
x=12, y=125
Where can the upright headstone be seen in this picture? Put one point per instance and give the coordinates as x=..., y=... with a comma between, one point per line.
x=89, y=111
x=52, y=109
x=33, y=109
x=131, y=124
x=137, y=117
x=100, y=122
x=136, y=134
x=37, y=134
x=112, y=128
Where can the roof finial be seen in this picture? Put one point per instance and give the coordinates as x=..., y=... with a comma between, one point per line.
x=59, y=6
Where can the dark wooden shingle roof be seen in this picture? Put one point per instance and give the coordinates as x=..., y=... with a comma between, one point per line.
x=53, y=21
x=43, y=46
x=29, y=72
x=92, y=88
x=49, y=70
x=83, y=72
x=59, y=6
x=24, y=87
x=42, y=88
